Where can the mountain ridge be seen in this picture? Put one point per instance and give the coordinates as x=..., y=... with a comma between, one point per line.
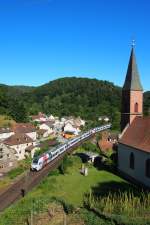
x=85, y=97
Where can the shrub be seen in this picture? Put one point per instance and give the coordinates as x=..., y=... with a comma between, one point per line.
x=65, y=164
x=54, y=173
x=90, y=147
x=90, y=218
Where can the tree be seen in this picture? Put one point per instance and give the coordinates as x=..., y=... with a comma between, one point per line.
x=18, y=111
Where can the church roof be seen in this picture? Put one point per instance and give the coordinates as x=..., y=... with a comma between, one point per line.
x=132, y=81
x=137, y=134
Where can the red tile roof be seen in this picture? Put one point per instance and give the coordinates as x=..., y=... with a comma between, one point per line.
x=23, y=128
x=105, y=145
x=137, y=134
x=5, y=130
x=18, y=139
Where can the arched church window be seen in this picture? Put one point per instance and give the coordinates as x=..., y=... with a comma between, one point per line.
x=136, y=107
x=147, y=168
x=131, y=160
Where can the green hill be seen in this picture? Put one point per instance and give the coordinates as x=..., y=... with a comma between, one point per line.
x=88, y=98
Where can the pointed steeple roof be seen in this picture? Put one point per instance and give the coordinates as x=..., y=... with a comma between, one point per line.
x=132, y=81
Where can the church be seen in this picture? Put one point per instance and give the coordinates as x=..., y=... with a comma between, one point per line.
x=134, y=143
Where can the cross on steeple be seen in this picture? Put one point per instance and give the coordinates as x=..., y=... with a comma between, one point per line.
x=133, y=43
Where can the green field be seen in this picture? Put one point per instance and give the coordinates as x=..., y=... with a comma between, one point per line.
x=69, y=188
x=73, y=186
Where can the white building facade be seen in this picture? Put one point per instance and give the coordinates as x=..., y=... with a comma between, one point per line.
x=134, y=163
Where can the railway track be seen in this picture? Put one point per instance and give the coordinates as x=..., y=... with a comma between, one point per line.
x=30, y=180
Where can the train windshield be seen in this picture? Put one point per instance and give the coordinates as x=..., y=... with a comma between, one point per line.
x=35, y=161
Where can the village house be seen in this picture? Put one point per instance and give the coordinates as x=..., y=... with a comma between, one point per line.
x=8, y=158
x=19, y=142
x=31, y=149
x=48, y=126
x=51, y=118
x=25, y=128
x=70, y=128
x=58, y=127
x=42, y=133
x=108, y=141
x=73, y=125
x=41, y=117
x=78, y=122
x=134, y=143
x=5, y=133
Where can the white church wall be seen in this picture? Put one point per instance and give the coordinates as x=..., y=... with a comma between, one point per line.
x=140, y=158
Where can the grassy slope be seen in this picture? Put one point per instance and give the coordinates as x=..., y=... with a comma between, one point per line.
x=70, y=187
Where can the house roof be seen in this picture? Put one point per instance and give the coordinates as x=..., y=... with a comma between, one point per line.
x=23, y=128
x=35, y=117
x=50, y=124
x=17, y=139
x=5, y=130
x=137, y=134
x=132, y=81
x=105, y=145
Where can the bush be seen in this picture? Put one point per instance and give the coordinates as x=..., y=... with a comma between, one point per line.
x=53, y=173
x=41, y=151
x=90, y=218
x=15, y=172
x=66, y=163
x=90, y=147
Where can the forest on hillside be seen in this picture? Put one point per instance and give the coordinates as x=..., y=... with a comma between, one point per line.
x=88, y=98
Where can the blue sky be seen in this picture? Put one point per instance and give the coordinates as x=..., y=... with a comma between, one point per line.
x=42, y=40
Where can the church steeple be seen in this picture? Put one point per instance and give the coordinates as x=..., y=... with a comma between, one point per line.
x=132, y=94
x=132, y=81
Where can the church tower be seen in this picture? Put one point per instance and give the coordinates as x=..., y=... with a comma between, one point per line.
x=132, y=94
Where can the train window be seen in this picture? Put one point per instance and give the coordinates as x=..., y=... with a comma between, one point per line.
x=50, y=155
x=35, y=160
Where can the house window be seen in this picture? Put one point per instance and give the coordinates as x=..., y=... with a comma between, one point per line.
x=131, y=161
x=147, y=168
x=136, y=106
